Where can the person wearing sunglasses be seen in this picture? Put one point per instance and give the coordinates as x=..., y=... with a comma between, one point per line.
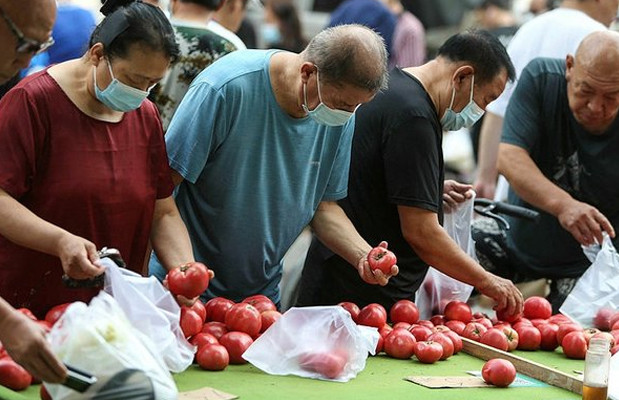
x=83, y=163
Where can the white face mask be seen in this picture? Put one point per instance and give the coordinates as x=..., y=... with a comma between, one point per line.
x=322, y=113
x=453, y=121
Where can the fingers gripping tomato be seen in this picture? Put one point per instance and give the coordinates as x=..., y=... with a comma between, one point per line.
x=381, y=258
x=189, y=280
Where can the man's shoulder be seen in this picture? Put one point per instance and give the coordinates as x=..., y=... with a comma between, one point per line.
x=234, y=67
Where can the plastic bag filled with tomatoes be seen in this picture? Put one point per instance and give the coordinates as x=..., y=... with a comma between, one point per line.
x=438, y=289
x=99, y=339
x=314, y=342
x=153, y=311
x=598, y=287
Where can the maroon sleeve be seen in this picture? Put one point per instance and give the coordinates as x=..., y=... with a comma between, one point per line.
x=161, y=169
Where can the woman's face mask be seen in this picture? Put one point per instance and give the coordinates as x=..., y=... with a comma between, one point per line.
x=270, y=33
x=453, y=121
x=119, y=96
x=322, y=113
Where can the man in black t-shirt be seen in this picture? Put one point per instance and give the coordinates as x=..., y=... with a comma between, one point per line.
x=560, y=154
x=396, y=189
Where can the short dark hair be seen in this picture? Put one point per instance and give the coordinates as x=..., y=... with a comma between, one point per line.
x=503, y=4
x=482, y=50
x=133, y=22
x=210, y=4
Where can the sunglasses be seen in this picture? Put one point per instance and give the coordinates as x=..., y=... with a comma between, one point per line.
x=26, y=45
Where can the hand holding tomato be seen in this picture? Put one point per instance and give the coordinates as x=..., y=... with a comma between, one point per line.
x=378, y=266
x=188, y=281
x=509, y=300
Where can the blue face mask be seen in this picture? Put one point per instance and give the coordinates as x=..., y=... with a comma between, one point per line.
x=322, y=113
x=453, y=121
x=118, y=96
x=270, y=34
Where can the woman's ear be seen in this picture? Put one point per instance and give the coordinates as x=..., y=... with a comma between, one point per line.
x=95, y=54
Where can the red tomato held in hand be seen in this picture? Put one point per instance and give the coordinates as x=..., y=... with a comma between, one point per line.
x=459, y=311
x=329, y=365
x=372, y=315
x=236, y=343
x=536, y=307
x=189, y=280
x=382, y=259
x=244, y=317
x=495, y=338
x=404, y=311
x=498, y=372
x=428, y=352
x=352, y=309
x=213, y=357
x=400, y=343
x=13, y=375
x=56, y=312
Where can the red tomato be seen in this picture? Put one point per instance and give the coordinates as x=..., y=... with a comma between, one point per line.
x=495, y=338
x=402, y=325
x=268, y=318
x=589, y=333
x=191, y=322
x=559, y=319
x=575, y=345
x=498, y=372
x=455, y=339
x=261, y=302
x=421, y=332
x=13, y=375
x=404, y=311
x=329, y=365
x=536, y=307
x=484, y=321
x=549, y=337
x=502, y=316
x=459, y=311
x=352, y=308
x=244, y=317
x=44, y=394
x=385, y=330
x=189, y=280
x=529, y=338
x=448, y=345
x=428, y=352
x=215, y=328
x=217, y=308
x=605, y=335
x=400, y=343
x=474, y=331
x=379, y=345
x=438, y=319
x=56, y=312
x=199, y=308
x=456, y=326
x=372, y=315
x=613, y=319
x=201, y=339
x=512, y=337
x=381, y=258
x=236, y=343
x=213, y=357
x=602, y=318
x=564, y=329
x=425, y=322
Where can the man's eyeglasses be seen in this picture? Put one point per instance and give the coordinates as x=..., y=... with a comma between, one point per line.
x=26, y=45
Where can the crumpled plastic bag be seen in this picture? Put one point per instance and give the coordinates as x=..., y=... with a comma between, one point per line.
x=152, y=310
x=99, y=339
x=598, y=287
x=314, y=342
x=438, y=289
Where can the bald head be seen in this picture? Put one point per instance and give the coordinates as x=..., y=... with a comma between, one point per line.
x=349, y=54
x=599, y=50
x=34, y=19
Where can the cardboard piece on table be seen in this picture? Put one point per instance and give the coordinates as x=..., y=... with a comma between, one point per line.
x=206, y=393
x=530, y=368
x=435, y=382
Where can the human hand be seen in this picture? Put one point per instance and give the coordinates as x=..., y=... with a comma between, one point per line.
x=25, y=342
x=455, y=193
x=485, y=189
x=78, y=257
x=585, y=223
x=504, y=292
x=375, y=277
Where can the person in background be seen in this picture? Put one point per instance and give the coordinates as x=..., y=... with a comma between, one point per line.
x=560, y=155
x=227, y=20
x=199, y=47
x=282, y=28
x=397, y=189
x=552, y=34
x=260, y=148
x=247, y=33
x=83, y=164
x=409, y=37
x=72, y=31
x=25, y=29
x=371, y=13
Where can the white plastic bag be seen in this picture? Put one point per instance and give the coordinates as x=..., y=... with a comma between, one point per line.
x=153, y=311
x=99, y=339
x=598, y=287
x=314, y=342
x=438, y=289
x=613, y=384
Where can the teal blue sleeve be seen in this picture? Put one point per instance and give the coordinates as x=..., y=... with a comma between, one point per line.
x=337, y=188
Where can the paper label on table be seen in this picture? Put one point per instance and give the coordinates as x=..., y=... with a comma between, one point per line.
x=520, y=381
x=206, y=393
x=436, y=382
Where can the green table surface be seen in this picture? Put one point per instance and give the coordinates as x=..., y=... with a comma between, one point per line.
x=382, y=378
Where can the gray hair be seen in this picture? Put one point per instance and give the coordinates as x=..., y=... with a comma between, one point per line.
x=350, y=54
